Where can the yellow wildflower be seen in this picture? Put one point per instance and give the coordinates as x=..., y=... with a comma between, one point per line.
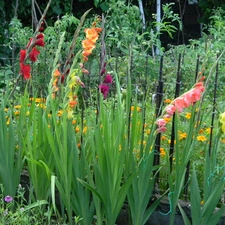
x=168, y=101
x=169, y=141
x=77, y=129
x=163, y=138
x=201, y=138
x=167, y=119
x=201, y=131
x=188, y=115
x=208, y=130
x=182, y=136
x=162, y=152
x=85, y=130
x=17, y=106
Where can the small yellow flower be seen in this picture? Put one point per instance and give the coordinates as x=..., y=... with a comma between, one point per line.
x=135, y=108
x=148, y=131
x=169, y=141
x=39, y=100
x=17, y=112
x=60, y=112
x=201, y=138
x=8, y=121
x=188, y=115
x=208, y=130
x=182, y=136
x=167, y=119
x=85, y=130
x=163, y=138
x=17, y=106
x=27, y=113
x=74, y=122
x=201, y=131
x=162, y=152
x=168, y=101
x=77, y=129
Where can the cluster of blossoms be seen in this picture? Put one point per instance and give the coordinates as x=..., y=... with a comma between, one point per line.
x=92, y=35
x=104, y=87
x=74, y=82
x=107, y=81
x=31, y=52
x=180, y=103
x=57, y=76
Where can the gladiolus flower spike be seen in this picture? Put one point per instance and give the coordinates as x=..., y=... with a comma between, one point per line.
x=180, y=103
x=31, y=53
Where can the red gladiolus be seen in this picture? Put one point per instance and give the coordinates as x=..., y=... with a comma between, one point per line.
x=22, y=55
x=31, y=39
x=40, y=42
x=34, y=54
x=41, y=29
x=25, y=71
x=40, y=36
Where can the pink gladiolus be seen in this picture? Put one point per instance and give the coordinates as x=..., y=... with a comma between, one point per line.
x=161, y=130
x=179, y=104
x=170, y=109
x=161, y=123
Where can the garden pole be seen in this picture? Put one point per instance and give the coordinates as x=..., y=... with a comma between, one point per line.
x=142, y=14
x=159, y=98
x=214, y=106
x=177, y=92
x=158, y=19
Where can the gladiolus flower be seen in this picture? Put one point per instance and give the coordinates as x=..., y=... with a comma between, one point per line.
x=108, y=79
x=161, y=123
x=104, y=90
x=34, y=54
x=62, y=79
x=40, y=36
x=22, y=55
x=40, y=42
x=161, y=130
x=25, y=71
x=170, y=109
x=72, y=103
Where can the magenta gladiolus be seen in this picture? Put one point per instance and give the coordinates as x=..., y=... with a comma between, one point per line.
x=104, y=89
x=108, y=79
